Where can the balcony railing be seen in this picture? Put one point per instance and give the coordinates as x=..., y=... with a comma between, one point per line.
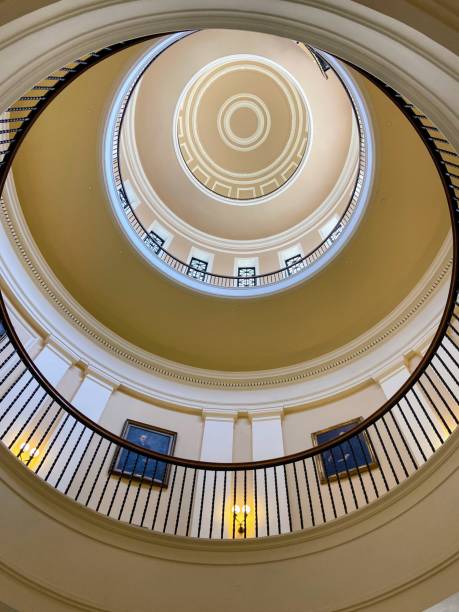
x=173, y=495
x=235, y=281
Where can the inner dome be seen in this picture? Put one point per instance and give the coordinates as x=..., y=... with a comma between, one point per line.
x=235, y=180
x=242, y=127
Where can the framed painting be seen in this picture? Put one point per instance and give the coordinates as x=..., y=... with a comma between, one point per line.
x=345, y=459
x=134, y=465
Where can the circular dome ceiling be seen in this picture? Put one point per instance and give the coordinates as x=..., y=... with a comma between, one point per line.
x=241, y=127
x=252, y=131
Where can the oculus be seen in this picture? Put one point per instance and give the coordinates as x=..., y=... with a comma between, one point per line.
x=241, y=128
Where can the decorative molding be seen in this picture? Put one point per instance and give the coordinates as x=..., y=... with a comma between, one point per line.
x=209, y=414
x=19, y=235
x=267, y=414
x=387, y=373
x=101, y=378
x=61, y=350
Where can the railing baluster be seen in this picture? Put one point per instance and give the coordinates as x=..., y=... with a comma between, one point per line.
x=298, y=496
x=179, y=509
x=88, y=469
x=256, y=500
x=150, y=488
x=397, y=452
x=234, y=502
x=311, y=508
x=222, y=529
x=190, y=507
x=394, y=473
x=79, y=462
x=96, y=480
x=171, y=493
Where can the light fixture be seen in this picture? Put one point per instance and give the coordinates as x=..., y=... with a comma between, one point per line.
x=241, y=520
x=27, y=453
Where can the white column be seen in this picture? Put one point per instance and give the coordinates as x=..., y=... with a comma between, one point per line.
x=54, y=360
x=93, y=393
x=217, y=445
x=390, y=382
x=91, y=399
x=268, y=443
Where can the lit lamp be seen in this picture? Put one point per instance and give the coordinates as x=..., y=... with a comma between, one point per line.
x=241, y=520
x=27, y=453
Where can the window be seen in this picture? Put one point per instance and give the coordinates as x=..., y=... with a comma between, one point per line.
x=246, y=276
x=197, y=268
x=294, y=264
x=327, y=229
x=155, y=242
x=123, y=198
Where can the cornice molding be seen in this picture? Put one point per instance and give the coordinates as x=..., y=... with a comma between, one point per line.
x=267, y=414
x=209, y=414
x=61, y=350
x=101, y=378
x=387, y=373
x=24, y=245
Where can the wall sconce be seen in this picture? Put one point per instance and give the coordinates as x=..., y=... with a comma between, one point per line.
x=241, y=520
x=26, y=453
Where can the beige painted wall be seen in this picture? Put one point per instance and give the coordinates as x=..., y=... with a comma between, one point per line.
x=122, y=406
x=297, y=426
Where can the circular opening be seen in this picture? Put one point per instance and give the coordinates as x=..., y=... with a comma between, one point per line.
x=241, y=128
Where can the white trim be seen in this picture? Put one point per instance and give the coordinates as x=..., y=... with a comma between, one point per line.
x=219, y=415
x=61, y=350
x=101, y=378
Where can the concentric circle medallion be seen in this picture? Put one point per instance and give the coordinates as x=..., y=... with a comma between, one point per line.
x=241, y=128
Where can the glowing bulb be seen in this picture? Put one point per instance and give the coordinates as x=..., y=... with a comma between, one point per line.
x=34, y=452
x=25, y=446
x=235, y=509
x=246, y=509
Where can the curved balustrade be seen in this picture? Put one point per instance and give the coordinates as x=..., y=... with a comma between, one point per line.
x=235, y=281
x=238, y=500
